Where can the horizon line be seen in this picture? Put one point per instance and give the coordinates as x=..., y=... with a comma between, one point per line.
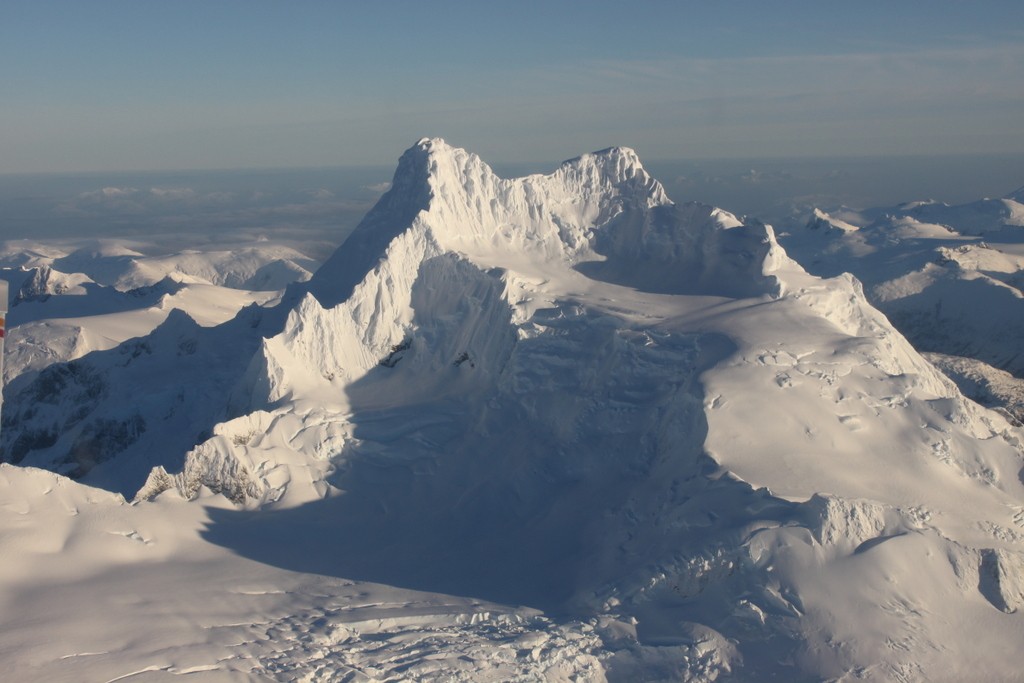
x=554, y=164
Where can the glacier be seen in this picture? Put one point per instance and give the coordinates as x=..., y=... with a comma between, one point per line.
x=556, y=427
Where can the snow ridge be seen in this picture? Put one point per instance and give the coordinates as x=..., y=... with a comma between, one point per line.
x=601, y=211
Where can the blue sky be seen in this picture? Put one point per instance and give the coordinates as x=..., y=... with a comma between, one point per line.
x=112, y=85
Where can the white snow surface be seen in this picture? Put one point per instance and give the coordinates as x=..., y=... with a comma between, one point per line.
x=548, y=428
x=56, y=317
x=927, y=266
x=68, y=300
x=257, y=266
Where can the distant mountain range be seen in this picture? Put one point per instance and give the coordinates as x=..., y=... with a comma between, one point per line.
x=950, y=278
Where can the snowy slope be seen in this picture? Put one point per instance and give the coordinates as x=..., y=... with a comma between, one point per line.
x=56, y=317
x=927, y=266
x=563, y=392
x=983, y=383
x=69, y=300
x=97, y=590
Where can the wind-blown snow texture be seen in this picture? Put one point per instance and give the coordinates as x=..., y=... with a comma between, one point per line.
x=561, y=393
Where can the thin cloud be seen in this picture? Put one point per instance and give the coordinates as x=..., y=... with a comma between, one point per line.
x=108, y=193
x=172, y=193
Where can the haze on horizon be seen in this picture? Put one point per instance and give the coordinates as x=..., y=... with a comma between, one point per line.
x=121, y=85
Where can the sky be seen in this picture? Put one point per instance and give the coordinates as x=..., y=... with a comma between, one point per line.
x=113, y=85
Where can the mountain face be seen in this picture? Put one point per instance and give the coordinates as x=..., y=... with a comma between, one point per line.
x=567, y=392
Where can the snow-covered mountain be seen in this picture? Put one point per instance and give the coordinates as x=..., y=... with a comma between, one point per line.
x=561, y=392
x=950, y=278
x=252, y=267
x=258, y=266
x=68, y=300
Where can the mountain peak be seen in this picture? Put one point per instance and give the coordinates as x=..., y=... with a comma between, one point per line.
x=620, y=169
x=452, y=198
x=428, y=143
x=436, y=162
x=617, y=154
x=428, y=154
